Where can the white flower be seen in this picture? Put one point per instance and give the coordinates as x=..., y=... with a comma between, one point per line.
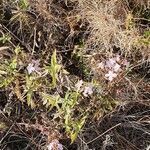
x=55, y=145
x=33, y=66
x=116, y=68
x=117, y=58
x=78, y=85
x=101, y=65
x=110, y=63
x=88, y=90
x=111, y=75
x=125, y=63
x=30, y=68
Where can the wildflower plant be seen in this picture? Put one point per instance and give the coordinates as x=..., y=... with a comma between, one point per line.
x=65, y=64
x=86, y=90
x=111, y=68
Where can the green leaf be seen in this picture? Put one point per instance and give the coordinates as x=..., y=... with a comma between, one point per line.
x=3, y=126
x=13, y=64
x=30, y=101
x=23, y=4
x=17, y=50
x=5, y=38
x=54, y=69
x=77, y=128
x=147, y=34
x=73, y=136
x=50, y=100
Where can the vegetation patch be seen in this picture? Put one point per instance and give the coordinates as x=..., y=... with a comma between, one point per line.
x=74, y=74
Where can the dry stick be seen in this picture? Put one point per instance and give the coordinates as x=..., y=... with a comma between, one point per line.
x=104, y=133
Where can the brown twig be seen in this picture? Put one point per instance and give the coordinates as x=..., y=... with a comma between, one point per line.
x=104, y=133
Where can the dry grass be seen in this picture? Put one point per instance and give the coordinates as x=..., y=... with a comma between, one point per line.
x=111, y=24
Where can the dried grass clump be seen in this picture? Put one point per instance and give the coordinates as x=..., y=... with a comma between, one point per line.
x=111, y=24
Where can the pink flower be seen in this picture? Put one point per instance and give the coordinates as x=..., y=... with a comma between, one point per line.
x=30, y=68
x=33, y=67
x=110, y=63
x=55, y=145
x=88, y=91
x=111, y=75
